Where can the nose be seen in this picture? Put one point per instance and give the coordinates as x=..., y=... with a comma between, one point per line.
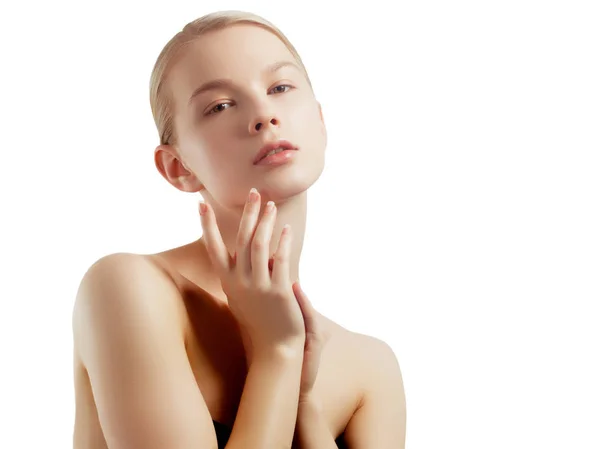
x=263, y=121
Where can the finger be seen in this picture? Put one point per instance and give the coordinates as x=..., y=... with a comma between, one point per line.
x=215, y=247
x=246, y=231
x=261, y=245
x=281, y=259
x=308, y=312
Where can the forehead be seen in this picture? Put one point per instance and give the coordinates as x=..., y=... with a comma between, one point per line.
x=234, y=52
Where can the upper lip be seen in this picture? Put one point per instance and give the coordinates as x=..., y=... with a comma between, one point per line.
x=273, y=145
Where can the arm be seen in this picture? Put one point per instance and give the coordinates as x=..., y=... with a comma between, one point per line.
x=129, y=330
x=380, y=420
x=312, y=431
x=268, y=407
x=129, y=326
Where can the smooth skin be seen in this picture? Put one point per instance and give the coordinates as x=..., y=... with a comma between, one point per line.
x=262, y=302
x=165, y=343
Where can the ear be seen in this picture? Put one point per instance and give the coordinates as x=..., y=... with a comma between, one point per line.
x=171, y=167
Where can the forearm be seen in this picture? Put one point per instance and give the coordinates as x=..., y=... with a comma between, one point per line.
x=312, y=431
x=266, y=417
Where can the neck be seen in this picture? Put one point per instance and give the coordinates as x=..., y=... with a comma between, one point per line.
x=291, y=211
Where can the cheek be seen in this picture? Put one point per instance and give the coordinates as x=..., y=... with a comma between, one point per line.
x=216, y=143
x=208, y=155
x=310, y=130
x=306, y=118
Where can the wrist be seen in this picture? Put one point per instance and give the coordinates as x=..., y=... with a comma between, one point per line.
x=279, y=353
x=309, y=403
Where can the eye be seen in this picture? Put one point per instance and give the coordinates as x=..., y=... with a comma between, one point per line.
x=282, y=85
x=218, y=108
x=215, y=110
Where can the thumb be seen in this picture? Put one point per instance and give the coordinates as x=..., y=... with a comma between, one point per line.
x=308, y=312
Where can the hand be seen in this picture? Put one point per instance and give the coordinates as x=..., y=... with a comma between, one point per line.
x=316, y=339
x=262, y=302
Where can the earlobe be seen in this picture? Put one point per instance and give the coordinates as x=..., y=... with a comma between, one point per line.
x=170, y=166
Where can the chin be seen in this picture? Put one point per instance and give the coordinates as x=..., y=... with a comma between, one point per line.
x=281, y=185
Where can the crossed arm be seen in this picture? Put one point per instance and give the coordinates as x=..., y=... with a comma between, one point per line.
x=126, y=324
x=379, y=421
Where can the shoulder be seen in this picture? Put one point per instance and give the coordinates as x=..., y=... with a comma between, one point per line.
x=123, y=273
x=373, y=349
x=373, y=352
x=382, y=397
x=379, y=419
x=129, y=339
x=359, y=368
x=363, y=347
x=123, y=285
x=371, y=359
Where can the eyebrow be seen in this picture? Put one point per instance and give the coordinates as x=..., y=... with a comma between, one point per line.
x=223, y=82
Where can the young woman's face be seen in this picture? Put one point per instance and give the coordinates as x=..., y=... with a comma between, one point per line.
x=221, y=129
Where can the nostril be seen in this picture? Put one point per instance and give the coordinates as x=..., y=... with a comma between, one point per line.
x=273, y=121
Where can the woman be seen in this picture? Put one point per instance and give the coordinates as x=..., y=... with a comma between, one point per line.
x=214, y=344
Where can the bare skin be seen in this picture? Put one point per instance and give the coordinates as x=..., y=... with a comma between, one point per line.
x=217, y=358
x=166, y=314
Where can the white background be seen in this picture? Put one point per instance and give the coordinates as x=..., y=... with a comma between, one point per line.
x=463, y=163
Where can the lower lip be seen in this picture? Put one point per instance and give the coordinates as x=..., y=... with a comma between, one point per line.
x=278, y=158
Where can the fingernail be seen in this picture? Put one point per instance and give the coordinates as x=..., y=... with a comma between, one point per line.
x=203, y=208
x=252, y=194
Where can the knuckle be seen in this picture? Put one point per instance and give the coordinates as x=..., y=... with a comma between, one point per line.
x=245, y=283
x=280, y=257
x=258, y=244
x=241, y=239
x=262, y=288
x=280, y=291
x=241, y=282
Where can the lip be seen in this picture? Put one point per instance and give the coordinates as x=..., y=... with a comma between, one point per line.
x=272, y=145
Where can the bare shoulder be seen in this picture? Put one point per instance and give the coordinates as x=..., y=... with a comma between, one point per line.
x=131, y=367
x=380, y=418
x=363, y=351
x=128, y=273
x=373, y=349
x=376, y=363
x=353, y=366
x=358, y=343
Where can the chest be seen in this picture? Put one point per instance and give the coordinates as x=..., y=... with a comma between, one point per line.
x=216, y=353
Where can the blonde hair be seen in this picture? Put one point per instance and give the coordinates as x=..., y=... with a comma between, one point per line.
x=161, y=101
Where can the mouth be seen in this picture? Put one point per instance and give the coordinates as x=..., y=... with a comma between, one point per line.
x=273, y=147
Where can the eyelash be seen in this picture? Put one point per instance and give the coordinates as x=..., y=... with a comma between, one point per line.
x=212, y=110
